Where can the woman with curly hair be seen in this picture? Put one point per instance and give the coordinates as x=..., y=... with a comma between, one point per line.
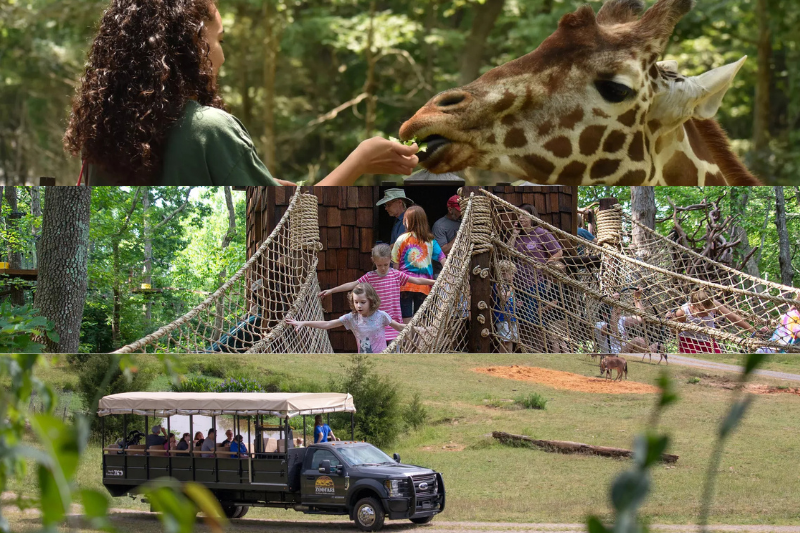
x=148, y=110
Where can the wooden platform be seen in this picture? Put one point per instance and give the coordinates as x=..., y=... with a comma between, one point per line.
x=27, y=275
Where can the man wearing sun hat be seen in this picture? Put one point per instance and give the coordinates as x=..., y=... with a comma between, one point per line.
x=446, y=228
x=396, y=202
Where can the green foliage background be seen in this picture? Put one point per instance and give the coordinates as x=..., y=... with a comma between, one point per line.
x=322, y=63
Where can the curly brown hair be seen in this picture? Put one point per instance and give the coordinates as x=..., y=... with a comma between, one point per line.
x=149, y=57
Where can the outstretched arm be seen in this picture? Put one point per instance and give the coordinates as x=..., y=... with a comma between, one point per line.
x=374, y=156
x=319, y=324
x=397, y=325
x=344, y=287
x=421, y=281
x=734, y=317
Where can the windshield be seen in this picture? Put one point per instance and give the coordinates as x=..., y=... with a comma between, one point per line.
x=364, y=455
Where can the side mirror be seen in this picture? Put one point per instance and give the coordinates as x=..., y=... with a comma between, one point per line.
x=339, y=469
x=396, y=457
x=325, y=467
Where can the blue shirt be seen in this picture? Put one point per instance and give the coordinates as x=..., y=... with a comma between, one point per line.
x=583, y=232
x=321, y=433
x=236, y=447
x=398, y=228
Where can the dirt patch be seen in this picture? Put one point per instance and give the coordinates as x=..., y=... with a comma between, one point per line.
x=766, y=389
x=567, y=380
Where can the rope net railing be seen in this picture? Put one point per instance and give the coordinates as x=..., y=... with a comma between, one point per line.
x=248, y=312
x=617, y=295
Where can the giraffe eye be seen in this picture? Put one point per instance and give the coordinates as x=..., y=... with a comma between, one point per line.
x=613, y=91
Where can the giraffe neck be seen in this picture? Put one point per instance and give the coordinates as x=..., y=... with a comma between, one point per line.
x=681, y=157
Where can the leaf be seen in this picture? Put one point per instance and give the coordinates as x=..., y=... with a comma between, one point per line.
x=752, y=361
x=668, y=395
x=53, y=335
x=596, y=526
x=95, y=503
x=207, y=504
x=629, y=490
x=734, y=416
x=647, y=449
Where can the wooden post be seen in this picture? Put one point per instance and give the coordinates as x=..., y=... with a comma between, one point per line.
x=607, y=203
x=480, y=282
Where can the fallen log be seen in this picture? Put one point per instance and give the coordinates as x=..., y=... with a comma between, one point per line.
x=564, y=446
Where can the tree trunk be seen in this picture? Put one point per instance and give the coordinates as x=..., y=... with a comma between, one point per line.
x=36, y=211
x=472, y=57
x=784, y=256
x=272, y=41
x=369, y=86
x=761, y=111
x=223, y=273
x=14, y=255
x=643, y=211
x=148, y=256
x=64, y=263
x=740, y=198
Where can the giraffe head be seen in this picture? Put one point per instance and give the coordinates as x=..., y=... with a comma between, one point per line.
x=590, y=105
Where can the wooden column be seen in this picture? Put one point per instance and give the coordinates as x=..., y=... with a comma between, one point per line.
x=480, y=282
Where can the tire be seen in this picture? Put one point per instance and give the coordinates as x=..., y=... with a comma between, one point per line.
x=232, y=511
x=422, y=520
x=245, y=508
x=368, y=514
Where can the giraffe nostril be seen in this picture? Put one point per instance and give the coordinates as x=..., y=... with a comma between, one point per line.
x=451, y=98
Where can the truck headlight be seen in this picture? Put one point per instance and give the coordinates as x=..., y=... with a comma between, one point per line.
x=392, y=487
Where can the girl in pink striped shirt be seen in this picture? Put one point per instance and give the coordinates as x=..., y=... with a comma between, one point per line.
x=387, y=282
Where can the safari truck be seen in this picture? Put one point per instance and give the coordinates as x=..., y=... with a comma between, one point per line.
x=337, y=478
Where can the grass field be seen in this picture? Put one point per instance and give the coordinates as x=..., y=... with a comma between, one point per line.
x=487, y=481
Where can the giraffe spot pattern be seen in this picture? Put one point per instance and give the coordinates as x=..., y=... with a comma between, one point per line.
x=545, y=128
x=635, y=150
x=599, y=113
x=590, y=138
x=491, y=139
x=653, y=125
x=660, y=144
x=653, y=71
x=515, y=138
x=632, y=177
x=573, y=170
x=603, y=168
x=715, y=179
x=573, y=118
x=508, y=120
x=628, y=118
x=534, y=166
x=505, y=102
x=680, y=170
x=559, y=146
x=700, y=149
x=614, y=142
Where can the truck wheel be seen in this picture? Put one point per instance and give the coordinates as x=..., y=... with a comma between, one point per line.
x=232, y=511
x=243, y=512
x=369, y=514
x=422, y=520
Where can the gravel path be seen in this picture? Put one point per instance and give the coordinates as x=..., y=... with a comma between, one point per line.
x=709, y=365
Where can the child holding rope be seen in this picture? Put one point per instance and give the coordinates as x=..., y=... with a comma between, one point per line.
x=505, y=312
x=788, y=330
x=387, y=283
x=366, y=320
x=702, y=310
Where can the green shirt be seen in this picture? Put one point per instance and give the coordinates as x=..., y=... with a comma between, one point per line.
x=206, y=146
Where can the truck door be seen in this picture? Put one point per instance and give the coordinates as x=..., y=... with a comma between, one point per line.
x=322, y=488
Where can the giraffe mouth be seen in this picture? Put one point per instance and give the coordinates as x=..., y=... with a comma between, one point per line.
x=434, y=142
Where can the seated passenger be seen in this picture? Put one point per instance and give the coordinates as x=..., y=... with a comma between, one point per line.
x=322, y=432
x=228, y=438
x=237, y=446
x=198, y=439
x=184, y=443
x=209, y=444
x=154, y=439
x=171, y=443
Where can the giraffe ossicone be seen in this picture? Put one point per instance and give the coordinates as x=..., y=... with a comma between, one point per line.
x=591, y=105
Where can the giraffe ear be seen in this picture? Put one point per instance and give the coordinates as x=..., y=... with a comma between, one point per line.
x=669, y=64
x=711, y=87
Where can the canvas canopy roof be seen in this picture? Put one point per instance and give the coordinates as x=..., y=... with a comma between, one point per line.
x=225, y=403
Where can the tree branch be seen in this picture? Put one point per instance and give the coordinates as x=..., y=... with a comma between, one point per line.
x=178, y=210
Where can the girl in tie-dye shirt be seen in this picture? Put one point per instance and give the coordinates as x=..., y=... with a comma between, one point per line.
x=414, y=253
x=788, y=330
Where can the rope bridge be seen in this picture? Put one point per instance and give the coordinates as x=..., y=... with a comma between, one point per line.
x=618, y=294
x=249, y=311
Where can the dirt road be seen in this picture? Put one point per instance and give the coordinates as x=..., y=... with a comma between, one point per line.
x=138, y=522
x=709, y=365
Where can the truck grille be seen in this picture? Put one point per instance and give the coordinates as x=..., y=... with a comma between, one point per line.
x=428, y=481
